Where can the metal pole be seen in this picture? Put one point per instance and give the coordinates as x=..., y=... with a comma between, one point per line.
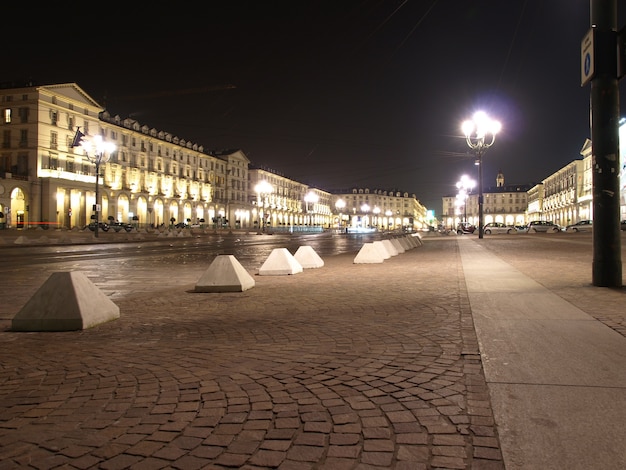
x=607, y=263
x=465, y=210
x=96, y=205
x=479, y=154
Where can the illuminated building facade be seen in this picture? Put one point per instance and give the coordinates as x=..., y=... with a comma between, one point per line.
x=152, y=178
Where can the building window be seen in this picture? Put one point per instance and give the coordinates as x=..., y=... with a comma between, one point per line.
x=54, y=140
x=7, y=115
x=6, y=139
x=23, y=137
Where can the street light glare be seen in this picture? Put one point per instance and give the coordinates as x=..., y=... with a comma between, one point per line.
x=311, y=197
x=467, y=128
x=263, y=187
x=98, y=145
x=481, y=124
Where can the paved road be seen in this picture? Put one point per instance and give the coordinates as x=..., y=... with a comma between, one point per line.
x=351, y=366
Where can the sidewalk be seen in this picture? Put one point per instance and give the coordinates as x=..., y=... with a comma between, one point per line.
x=344, y=366
x=556, y=375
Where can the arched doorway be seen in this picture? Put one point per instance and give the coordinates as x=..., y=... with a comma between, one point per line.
x=172, y=218
x=17, y=216
x=158, y=212
x=142, y=211
x=123, y=208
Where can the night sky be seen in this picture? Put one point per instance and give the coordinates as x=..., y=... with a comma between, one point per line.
x=335, y=93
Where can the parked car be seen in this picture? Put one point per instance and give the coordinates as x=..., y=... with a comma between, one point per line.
x=101, y=226
x=118, y=226
x=498, y=227
x=535, y=226
x=465, y=227
x=580, y=226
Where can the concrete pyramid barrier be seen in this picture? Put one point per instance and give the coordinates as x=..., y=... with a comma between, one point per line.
x=225, y=274
x=67, y=301
x=308, y=258
x=413, y=241
x=391, y=248
x=397, y=245
x=416, y=239
x=405, y=243
x=280, y=262
x=380, y=246
x=368, y=254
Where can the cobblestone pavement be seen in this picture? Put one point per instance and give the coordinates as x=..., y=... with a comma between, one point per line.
x=347, y=366
x=343, y=366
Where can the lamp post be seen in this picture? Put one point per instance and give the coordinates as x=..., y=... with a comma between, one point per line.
x=310, y=197
x=376, y=211
x=263, y=187
x=465, y=186
x=340, y=204
x=98, y=152
x=365, y=208
x=480, y=134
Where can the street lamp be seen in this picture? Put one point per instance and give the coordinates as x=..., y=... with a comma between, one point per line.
x=465, y=186
x=365, y=208
x=311, y=197
x=263, y=187
x=376, y=211
x=98, y=152
x=388, y=213
x=340, y=204
x=480, y=134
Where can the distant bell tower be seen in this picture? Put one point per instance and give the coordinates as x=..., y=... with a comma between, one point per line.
x=500, y=179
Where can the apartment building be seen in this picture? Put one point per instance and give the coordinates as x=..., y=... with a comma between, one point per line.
x=501, y=203
x=564, y=197
x=150, y=178
x=362, y=208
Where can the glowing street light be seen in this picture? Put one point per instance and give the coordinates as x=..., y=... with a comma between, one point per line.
x=97, y=151
x=389, y=213
x=340, y=204
x=365, y=208
x=465, y=186
x=480, y=134
x=376, y=211
x=262, y=188
x=312, y=198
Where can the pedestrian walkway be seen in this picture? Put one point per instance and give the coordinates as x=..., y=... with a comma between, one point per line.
x=445, y=356
x=556, y=375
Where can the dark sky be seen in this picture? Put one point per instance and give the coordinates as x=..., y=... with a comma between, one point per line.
x=335, y=93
